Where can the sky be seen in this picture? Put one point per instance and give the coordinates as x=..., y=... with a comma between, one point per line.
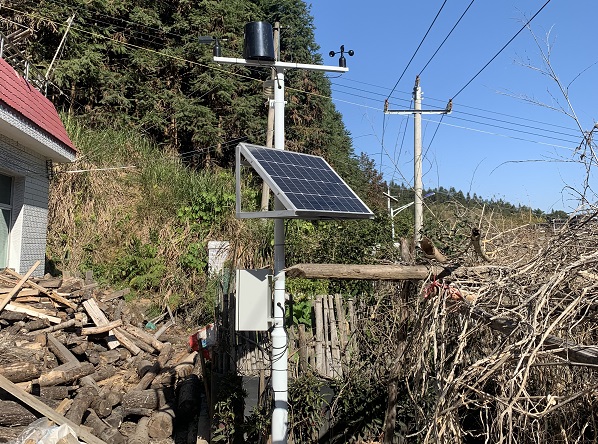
x=512, y=134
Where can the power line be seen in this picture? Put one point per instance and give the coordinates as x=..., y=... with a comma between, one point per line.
x=347, y=79
x=418, y=46
x=501, y=49
x=446, y=38
x=482, y=117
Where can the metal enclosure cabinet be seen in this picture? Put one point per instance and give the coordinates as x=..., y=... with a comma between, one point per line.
x=254, y=300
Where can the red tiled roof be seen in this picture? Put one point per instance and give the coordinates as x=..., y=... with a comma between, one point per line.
x=23, y=98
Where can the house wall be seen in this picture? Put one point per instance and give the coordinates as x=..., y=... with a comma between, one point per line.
x=30, y=205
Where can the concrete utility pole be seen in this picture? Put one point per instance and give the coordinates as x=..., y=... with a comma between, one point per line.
x=417, y=152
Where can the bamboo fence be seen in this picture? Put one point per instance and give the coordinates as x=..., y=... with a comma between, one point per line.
x=321, y=348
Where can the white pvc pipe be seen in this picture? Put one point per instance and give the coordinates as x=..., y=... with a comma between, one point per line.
x=279, y=335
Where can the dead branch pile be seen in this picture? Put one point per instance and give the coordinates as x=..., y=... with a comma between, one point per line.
x=80, y=356
x=510, y=356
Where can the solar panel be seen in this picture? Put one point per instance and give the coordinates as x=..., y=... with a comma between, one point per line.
x=306, y=185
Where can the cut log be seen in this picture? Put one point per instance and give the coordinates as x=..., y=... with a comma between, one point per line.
x=61, y=326
x=64, y=376
x=46, y=411
x=99, y=319
x=103, y=430
x=10, y=434
x=141, y=433
x=49, y=282
x=144, y=336
x=14, y=414
x=21, y=371
x=142, y=367
x=146, y=399
x=61, y=352
x=6, y=299
x=103, y=372
x=160, y=424
x=58, y=392
x=24, y=292
x=81, y=403
x=36, y=324
x=102, y=329
x=160, y=363
x=128, y=342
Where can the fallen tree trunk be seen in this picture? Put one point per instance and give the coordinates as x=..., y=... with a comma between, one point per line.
x=380, y=272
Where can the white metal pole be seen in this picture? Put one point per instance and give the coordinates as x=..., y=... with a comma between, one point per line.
x=279, y=335
x=417, y=162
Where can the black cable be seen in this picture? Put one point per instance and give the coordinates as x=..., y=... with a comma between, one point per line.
x=501, y=49
x=418, y=46
x=446, y=38
x=444, y=102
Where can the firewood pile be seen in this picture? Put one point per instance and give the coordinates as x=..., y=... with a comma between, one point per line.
x=81, y=356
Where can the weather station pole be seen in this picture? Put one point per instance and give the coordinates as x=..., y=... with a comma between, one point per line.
x=259, y=54
x=417, y=112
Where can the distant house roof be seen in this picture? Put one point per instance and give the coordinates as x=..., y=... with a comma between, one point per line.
x=24, y=99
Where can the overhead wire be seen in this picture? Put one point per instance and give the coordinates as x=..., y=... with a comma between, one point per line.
x=446, y=38
x=418, y=47
x=501, y=50
x=409, y=64
x=347, y=79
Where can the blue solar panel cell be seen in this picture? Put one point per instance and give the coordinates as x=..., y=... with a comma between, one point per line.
x=306, y=184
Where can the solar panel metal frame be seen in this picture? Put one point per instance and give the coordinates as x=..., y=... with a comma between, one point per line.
x=244, y=157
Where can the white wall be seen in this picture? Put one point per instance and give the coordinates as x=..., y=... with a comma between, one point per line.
x=30, y=205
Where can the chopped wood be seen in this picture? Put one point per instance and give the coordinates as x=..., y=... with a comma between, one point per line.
x=46, y=411
x=14, y=414
x=101, y=329
x=144, y=336
x=62, y=358
x=126, y=342
x=22, y=292
x=19, y=285
x=49, y=282
x=101, y=429
x=100, y=319
x=160, y=363
x=141, y=433
x=65, y=375
x=50, y=293
x=35, y=312
x=21, y=371
x=146, y=399
x=80, y=404
x=57, y=327
x=60, y=351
